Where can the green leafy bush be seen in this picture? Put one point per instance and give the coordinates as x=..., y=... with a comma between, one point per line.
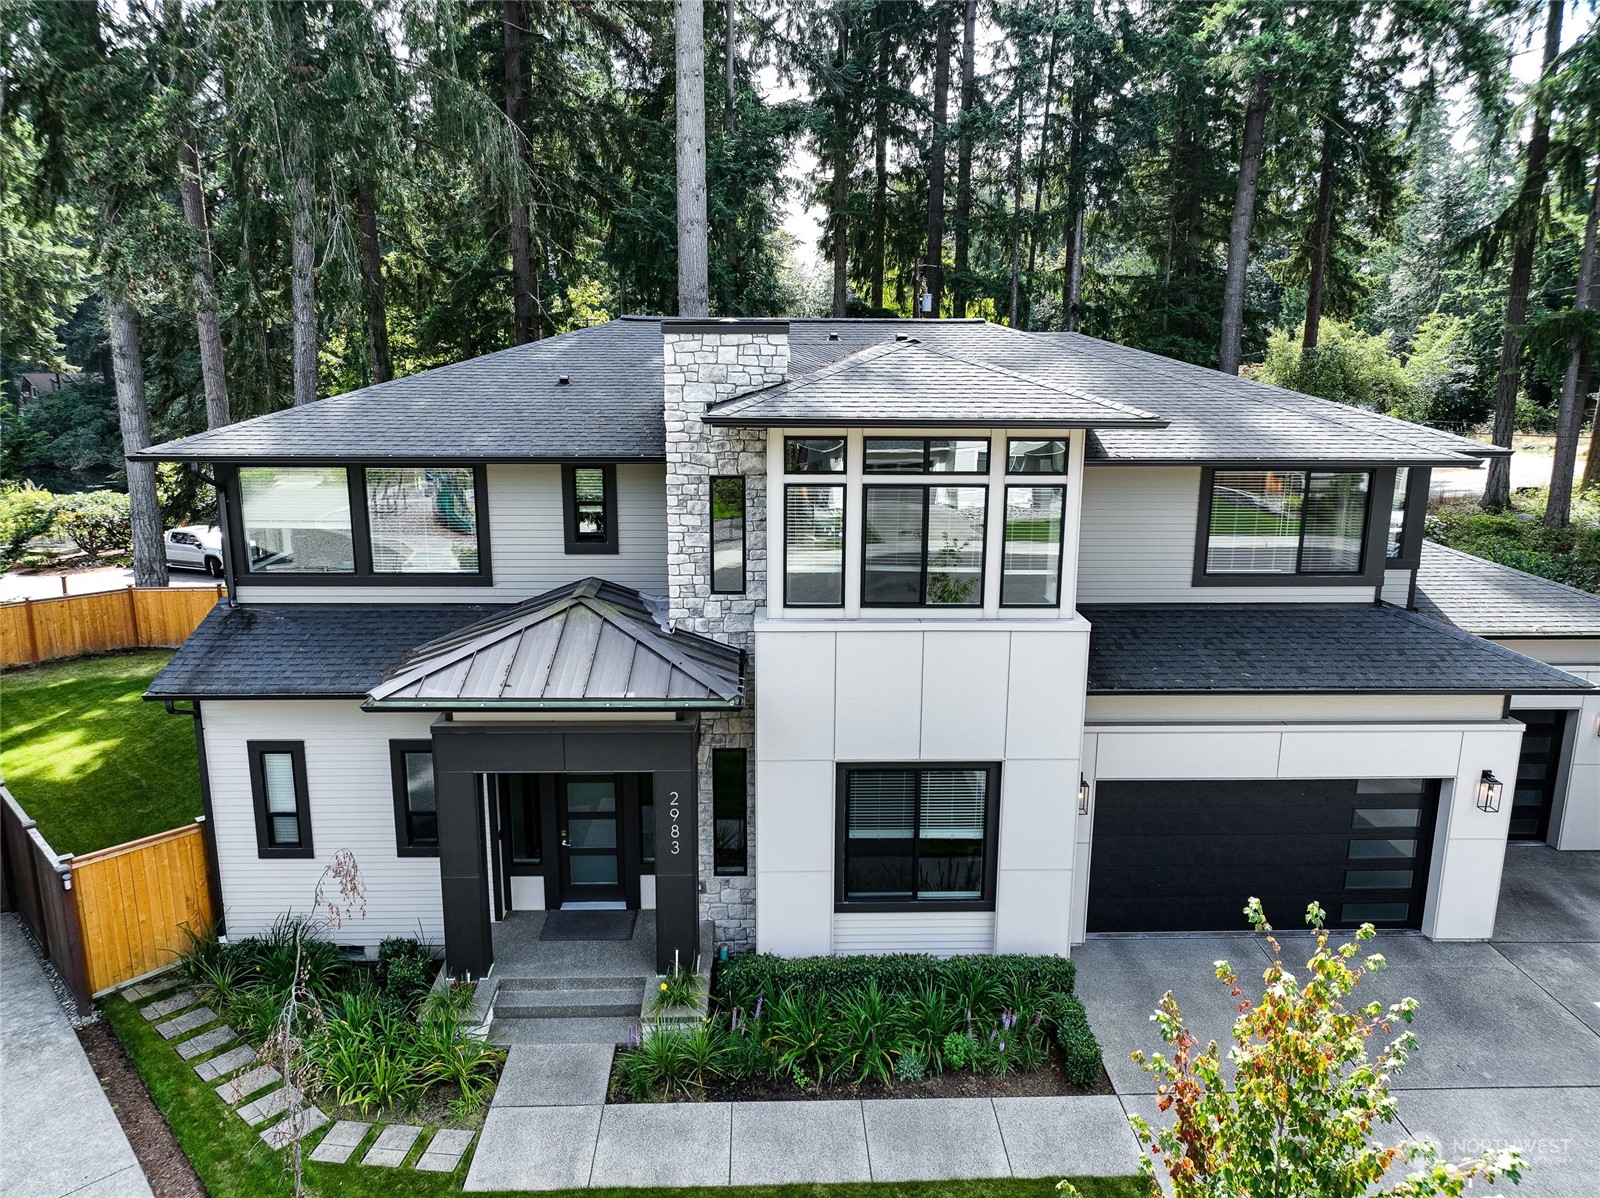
x=1518, y=539
x=405, y=969
x=1079, y=1048
x=740, y=981
x=1347, y=365
x=97, y=522
x=26, y=512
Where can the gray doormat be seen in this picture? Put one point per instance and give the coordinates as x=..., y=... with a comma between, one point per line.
x=588, y=925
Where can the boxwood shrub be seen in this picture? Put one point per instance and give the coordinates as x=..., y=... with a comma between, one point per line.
x=740, y=981
x=1078, y=1045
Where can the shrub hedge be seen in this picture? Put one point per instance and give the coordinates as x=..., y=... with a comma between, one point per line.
x=741, y=980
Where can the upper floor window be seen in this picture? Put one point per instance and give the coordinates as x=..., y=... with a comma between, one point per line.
x=1036, y=457
x=813, y=455
x=727, y=535
x=813, y=545
x=1031, y=572
x=917, y=455
x=1287, y=522
x=395, y=523
x=1397, y=513
x=923, y=546
x=589, y=504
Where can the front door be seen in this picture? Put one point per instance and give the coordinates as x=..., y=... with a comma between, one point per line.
x=591, y=846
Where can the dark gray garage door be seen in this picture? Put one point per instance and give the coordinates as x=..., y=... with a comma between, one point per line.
x=1184, y=856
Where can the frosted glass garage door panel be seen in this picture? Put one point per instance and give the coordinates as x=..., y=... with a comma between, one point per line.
x=1179, y=755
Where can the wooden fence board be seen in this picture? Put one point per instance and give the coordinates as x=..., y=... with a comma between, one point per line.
x=136, y=617
x=39, y=882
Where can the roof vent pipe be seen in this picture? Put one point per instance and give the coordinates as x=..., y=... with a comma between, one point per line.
x=833, y=336
x=562, y=380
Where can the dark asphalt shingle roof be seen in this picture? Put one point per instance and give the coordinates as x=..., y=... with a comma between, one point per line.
x=1306, y=648
x=1489, y=599
x=311, y=650
x=510, y=406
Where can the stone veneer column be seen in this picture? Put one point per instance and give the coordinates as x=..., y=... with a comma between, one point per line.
x=706, y=361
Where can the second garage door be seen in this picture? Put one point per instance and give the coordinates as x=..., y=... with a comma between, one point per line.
x=1185, y=856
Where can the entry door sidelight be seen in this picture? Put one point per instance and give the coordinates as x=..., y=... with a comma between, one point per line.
x=591, y=847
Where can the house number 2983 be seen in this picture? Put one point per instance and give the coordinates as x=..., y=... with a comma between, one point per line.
x=673, y=831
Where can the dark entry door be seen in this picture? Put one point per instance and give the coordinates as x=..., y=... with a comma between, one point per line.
x=587, y=815
x=1537, y=772
x=1184, y=856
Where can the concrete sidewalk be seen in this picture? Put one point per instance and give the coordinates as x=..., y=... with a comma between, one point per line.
x=60, y=1135
x=549, y=1128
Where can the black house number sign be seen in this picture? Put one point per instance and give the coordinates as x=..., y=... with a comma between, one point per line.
x=674, y=828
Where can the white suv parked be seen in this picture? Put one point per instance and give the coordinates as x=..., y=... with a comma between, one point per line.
x=196, y=547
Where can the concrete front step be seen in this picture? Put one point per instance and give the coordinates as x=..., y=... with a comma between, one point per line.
x=562, y=1031
x=634, y=981
x=517, y=1003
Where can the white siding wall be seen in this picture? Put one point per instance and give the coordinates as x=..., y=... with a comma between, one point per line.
x=1469, y=845
x=351, y=805
x=1397, y=587
x=854, y=691
x=1137, y=543
x=528, y=546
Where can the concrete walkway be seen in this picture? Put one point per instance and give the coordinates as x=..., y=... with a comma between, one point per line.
x=58, y=1133
x=549, y=1129
x=1508, y=1030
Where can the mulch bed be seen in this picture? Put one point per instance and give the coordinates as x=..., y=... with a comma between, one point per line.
x=163, y=1162
x=1047, y=1082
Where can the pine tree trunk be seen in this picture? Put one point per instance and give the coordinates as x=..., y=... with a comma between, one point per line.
x=303, y=285
x=1038, y=174
x=841, y=187
x=133, y=413
x=1077, y=202
x=694, y=296
x=1013, y=296
x=969, y=92
x=213, y=367
x=880, y=165
x=1497, y=486
x=1321, y=239
x=1569, y=426
x=371, y=257
x=727, y=72
x=518, y=231
x=934, y=276
x=1231, y=351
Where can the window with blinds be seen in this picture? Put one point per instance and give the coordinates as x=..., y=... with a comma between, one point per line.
x=278, y=785
x=924, y=546
x=1287, y=522
x=1031, y=566
x=813, y=546
x=1397, y=513
x=916, y=835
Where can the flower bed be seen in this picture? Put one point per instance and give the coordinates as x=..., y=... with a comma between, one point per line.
x=905, y=1024
x=362, y=1038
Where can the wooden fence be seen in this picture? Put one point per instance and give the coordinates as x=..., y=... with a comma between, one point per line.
x=110, y=916
x=36, y=630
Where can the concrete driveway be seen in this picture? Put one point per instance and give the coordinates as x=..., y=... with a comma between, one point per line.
x=1508, y=1031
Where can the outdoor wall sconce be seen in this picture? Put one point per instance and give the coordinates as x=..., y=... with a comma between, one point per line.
x=1489, y=790
x=1083, y=795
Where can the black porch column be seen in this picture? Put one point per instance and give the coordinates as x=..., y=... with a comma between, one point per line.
x=677, y=868
x=463, y=880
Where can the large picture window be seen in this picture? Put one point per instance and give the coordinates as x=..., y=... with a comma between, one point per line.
x=917, y=834
x=297, y=520
x=923, y=546
x=278, y=790
x=1287, y=522
x=1031, y=572
x=416, y=806
x=422, y=521
x=813, y=546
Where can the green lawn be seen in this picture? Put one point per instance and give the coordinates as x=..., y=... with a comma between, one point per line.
x=88, y=759
x=233, y=1163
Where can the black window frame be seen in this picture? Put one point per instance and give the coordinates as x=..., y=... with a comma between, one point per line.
x=569, y=508
x=991, y=835
x=404, y=844
x=1066, y=458
x=1375, y=531
x=1057, y=484
x=927, y=457
x=744, y=532
x=363, y=575
x=742, y=868
x=844, y=542
x=265, y=848
x=1418, y=485
x=922, y=584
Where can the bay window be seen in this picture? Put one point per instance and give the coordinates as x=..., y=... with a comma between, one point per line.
x=917, y=835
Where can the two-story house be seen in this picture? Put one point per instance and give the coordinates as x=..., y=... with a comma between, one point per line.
x=853, y=635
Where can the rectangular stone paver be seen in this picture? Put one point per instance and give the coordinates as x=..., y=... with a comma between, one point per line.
x=391, y=1146
x=301, y=1124
x=933, y=1139
x=150, y=987
x=234, y=1058
x=535, y=1148
x=779, y=1143
x=663, y=1144
x=343, y=1138
x=161, y=1008
x=265, y=1107
x=206, y=1041
x=444, y=1151
x=186, y=1022
x=555, y=1075
x=236, y=1089
x=1084, y=1136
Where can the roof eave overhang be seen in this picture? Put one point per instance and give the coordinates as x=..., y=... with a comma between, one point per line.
x=552, y=704
x=740, y=421
x=1290, y=459
x=421, y=457
x=1578, y=688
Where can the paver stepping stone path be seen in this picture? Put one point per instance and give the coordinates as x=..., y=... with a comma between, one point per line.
x=391, y=1146
x=234, y=1058
x=236, y=1090
x=187, y=1022
x=445, y=1150
x=167, y=1006
x=140, y=991
x=343, y=1138
x=299, y=1125
x=199, y=1045
x=264, y=1108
